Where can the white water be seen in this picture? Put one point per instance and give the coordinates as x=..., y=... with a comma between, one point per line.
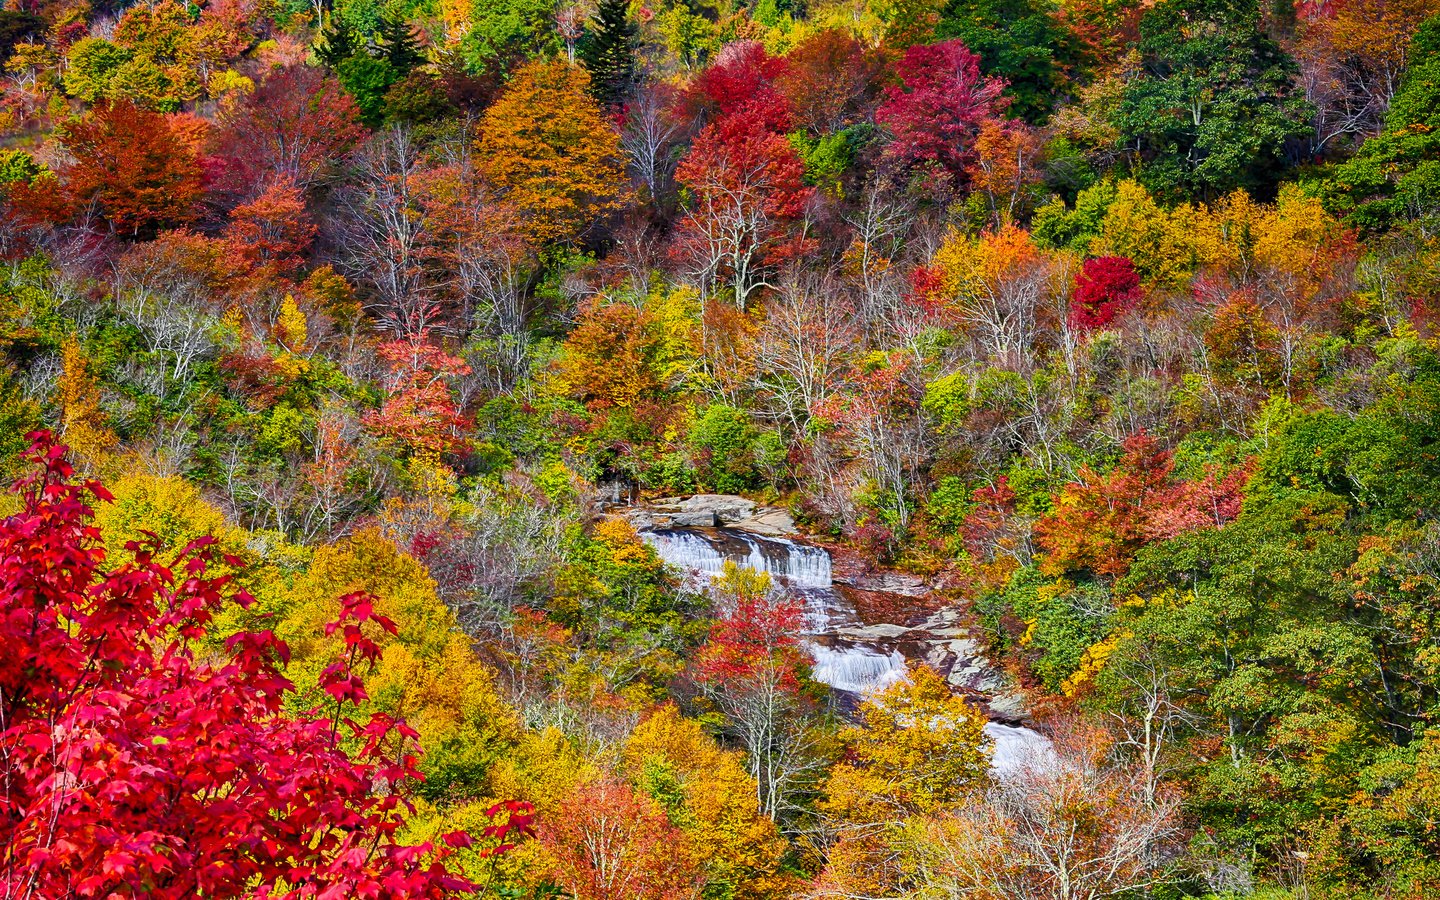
x=855, y=667
x=1017, y=748
x=797, y=564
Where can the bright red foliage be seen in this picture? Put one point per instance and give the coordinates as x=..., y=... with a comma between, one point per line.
x=1104, y=288
x=936, y=112
x=745, y=180
x=298, y=125
x=274, y=228
x=140, y=168
x=755, y=645
x=134, y=765
x=743, y=79
x=419, y=410
x=1099, y=522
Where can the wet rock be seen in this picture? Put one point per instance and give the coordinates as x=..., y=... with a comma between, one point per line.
x=709, y=511
x=687, y=519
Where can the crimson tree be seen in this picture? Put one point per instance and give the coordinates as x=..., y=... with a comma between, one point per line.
x=131, y=762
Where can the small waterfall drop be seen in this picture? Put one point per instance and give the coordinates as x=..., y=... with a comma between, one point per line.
x=857, y=667
x=1016, y=748
x=798, y=564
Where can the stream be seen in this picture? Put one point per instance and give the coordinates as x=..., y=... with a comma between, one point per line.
x=851, y=655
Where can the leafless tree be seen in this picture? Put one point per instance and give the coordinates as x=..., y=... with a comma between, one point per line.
x=385, y=231
x=1071, y=826
x=648, y=139
x=808, y=332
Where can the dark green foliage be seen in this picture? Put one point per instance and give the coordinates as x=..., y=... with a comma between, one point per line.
x=723, y=440
x=398, y=45
x=1385, y=461
x=608, y=52
x=16, y=26
x=1048, y=624
x=336, y=42
x=417, y=99
x=1216, y=103
x=505, y=31
x=1020, y=41
x=368, y=80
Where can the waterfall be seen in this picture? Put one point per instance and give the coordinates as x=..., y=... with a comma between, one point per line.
x=859, y=670
x=1016, y=748
x=799, y=565
x=859, y=667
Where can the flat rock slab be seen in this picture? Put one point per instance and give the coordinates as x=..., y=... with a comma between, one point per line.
x=873, y=632
x=769, y=521
x=710, y=511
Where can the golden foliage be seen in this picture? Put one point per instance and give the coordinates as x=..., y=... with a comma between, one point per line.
x=549, y=147
x=82, y=423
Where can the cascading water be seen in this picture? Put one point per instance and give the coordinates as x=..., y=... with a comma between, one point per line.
x=845, y=664
x=798, y=564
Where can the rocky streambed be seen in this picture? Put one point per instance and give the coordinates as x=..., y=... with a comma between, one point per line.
x=863, y=629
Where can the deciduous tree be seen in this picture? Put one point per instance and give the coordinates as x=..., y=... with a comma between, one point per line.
x=135, y=763
x=141, y=169
x=546, y=145
x=934, y=115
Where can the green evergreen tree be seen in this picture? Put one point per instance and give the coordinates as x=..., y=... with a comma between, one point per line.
x=608, y=51
x=336, y=42
x=1020, y=41
x=398, y=45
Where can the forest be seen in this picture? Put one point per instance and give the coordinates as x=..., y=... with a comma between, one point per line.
x=720, y=449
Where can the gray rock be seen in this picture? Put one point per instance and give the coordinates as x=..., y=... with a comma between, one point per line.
x=768, y=521
x=688, y=519
x=873, y=632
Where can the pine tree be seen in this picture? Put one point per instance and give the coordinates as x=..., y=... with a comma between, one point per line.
x=336, y=43
x=608, y=52
x=398, y=45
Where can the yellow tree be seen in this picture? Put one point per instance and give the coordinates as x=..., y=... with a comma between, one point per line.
x=1166, y=246
x=918, y=749
x=82, y=422
x=707, y=792
x=428, y=674
x=549, y=148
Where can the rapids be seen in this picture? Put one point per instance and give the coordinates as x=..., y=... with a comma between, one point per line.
x=851, y=656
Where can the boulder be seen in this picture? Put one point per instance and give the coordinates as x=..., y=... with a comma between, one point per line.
x=686, y=519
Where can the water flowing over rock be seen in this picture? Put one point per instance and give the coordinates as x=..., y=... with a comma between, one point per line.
x=851, y=655
x=706, y=553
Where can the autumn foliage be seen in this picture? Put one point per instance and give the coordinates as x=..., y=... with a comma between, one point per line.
x=137, y=762
x=1101, y=520
x=140, y=169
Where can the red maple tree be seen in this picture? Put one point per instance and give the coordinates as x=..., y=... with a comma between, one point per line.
x=746, y=184
x=139, y=169
x=135, y=764
x=1104, y=289
x=1100, y=521
x=934, y=114
x=419, y=412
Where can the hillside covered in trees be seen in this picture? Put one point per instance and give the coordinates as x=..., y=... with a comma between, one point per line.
x=348, y=347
